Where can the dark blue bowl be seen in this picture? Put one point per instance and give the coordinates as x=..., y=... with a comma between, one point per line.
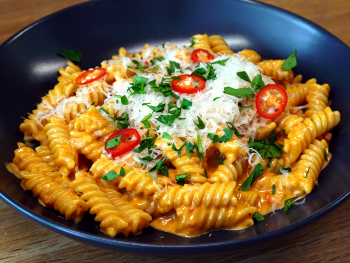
x=28, y=69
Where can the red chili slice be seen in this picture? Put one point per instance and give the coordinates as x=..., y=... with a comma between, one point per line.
x=129, y=140
x=201, y=55
x=91, y=75
x=271, y=101
x=188, y=84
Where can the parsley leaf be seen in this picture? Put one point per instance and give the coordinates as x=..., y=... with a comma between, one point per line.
x=325, y=154
x=252, y=177
x=205, y=173
x=181, y=178
x=113, y=142
x=290, y=62
x=244, y=107
x=202, y=71
x=189, y=148
x=140, y=67
x=161, y=166
x=164, y=88
x=73, y=55
x=243, y=75
x=112, y=175
x=123, y=121
x=216, y=98
x=145, y=121
x=288, y=169
x=220, y=62
x=215, y=138
x=257, y=83
x=199, y=72
x=166, y=136
x=173, y=65
x=192, y=42
x=220, y=161
x=145, y=143
x=200, y=124
x=178, y=150
x=199, y=147
x=273, y=191
x=138, y=86
x=103, y=109
x=288, y=203
x=240, y=93
x=307, y=173
x=265, y=148
x=185, y=104
x=233, y=128
x=147, y=158
x=124, y=100
x=159, y=108
x=258, y=217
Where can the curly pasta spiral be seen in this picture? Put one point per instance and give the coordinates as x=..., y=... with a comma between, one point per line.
x=137, y=219
x=109, y=216
x=317, y=98
x=201, y=41
x=304, y=133
x=135, y=180
x=308, y=168
x=297, y=93
x=51, y=194
x=228, y=172
x=45, y=153
x=250, y=55
x=206, y=195
x=145, y=203
x=183, y=164
x=273, y=69
x=65, y=154
x=219, y=46
x=286, y=122
x=247, y=197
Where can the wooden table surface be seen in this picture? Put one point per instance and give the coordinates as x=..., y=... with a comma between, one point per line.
x=327, y=239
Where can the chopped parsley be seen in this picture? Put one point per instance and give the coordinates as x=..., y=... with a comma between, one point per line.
x=252, y=177
x=281, y=168
x=138, y=86
x=243, y=75
x=145, y=121
x=265, y=148
x=240, y=93
x=185, y=104
x=161, y=166
x=220, y=161
x=178, y=150
x=216, y=98
x=258, y=217
x=290, y=62
x=147, y=158
x=215, y=138
x=113, y=142
x=166, y=136
x=124, y=100
x=233, y=128
x=123, y=121
x=200, y=124
x=145, y=143
x=112, y=175
x=140, y=67
x=181, y=178
x=288, y=203
x=273, y=191
x=103, y=109
x=73, y=55
x=172, y=66
x=159, y=108
x=325, y=154
x=307, y=173
x=210, y=71
x=257, y=83
x=244, y=107
x=205, y=173
x=220, y=62
x=269, y=164
x=174, y=111
x=192, y=42
x=164, y=87
x=77, y=192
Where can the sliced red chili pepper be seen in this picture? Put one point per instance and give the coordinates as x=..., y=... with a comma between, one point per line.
x=271, y=101
x=129, y=140
x=201, y=55
x=91, y=75
x=188, y=84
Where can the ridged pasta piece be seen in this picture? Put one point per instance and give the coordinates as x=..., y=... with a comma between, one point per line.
x=136, y=180
x=306, y=132
x=228, y=172
x=273, y=69
x=201, y=41
x=286, y=122
x=109, y=216
x=194, y=221
x=145, y=203
x=51, y=194
x=137, y=219
x=183, y=164
x=297, y=93
x=247, y=198
x=264, y=131
x=250, y=55
x=205, y=195
x=229, y=149
x=30, y=128
x=45, y=153
x=219, y=46
x=317, y=98
x=65, y=154
x=26, y=159
x=310, y=164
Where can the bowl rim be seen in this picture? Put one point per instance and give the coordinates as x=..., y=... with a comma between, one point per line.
x=114, y=244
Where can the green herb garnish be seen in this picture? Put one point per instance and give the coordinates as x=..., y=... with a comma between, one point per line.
x=113, y=142
x=73, y=55
x=290, y=62
x=252, y=177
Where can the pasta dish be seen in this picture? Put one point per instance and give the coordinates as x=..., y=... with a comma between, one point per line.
x=186, y=139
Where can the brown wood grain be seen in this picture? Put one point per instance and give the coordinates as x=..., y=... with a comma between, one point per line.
x=327, y=239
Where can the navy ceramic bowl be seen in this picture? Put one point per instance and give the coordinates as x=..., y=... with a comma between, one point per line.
x=28, y=69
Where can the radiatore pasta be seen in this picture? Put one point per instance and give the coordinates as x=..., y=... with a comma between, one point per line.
x=185, y=139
